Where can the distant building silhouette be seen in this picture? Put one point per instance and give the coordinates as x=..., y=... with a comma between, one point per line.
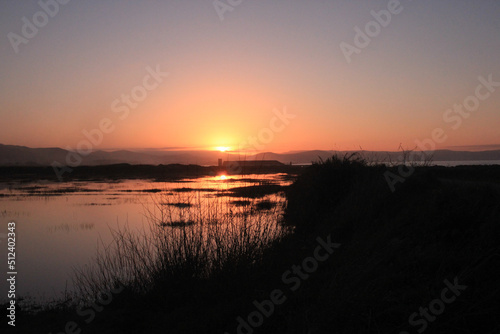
x=253, y=163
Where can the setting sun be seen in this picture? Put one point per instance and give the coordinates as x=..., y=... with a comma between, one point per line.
x=222, y=148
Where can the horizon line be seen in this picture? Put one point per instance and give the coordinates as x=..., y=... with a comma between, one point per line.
x=456, y=148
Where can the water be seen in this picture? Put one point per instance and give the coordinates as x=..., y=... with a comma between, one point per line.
x=59, y=225
x=465, y=163
x=450, y=163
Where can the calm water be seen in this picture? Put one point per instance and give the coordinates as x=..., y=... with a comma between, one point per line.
x=466, y=163
x=59, y=225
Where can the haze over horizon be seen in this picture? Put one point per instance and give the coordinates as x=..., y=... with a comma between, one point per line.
x=465, y=148
x=202, y=82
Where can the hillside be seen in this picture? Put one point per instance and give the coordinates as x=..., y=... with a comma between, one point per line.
x=25, y=156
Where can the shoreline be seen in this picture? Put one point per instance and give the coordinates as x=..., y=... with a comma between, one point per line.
x=173, y=172
x=156, y=173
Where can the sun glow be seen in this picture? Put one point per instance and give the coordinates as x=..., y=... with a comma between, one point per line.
x=222, y=148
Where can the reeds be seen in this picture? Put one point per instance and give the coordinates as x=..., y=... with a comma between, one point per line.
x=205, y=236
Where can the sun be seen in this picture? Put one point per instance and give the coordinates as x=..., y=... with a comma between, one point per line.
x=222, y=148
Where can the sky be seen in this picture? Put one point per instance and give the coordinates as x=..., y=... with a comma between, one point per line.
x=273, y=75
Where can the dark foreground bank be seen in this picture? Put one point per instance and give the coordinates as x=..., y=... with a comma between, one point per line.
x=127, y=171
x=360, y=257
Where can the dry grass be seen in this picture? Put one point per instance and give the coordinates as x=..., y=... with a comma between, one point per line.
x=204, y=237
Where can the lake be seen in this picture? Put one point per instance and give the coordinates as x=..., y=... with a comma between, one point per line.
x=466, y=163
x=60, y=225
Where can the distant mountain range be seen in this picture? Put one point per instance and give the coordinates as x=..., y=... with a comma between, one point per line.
x=24, y=156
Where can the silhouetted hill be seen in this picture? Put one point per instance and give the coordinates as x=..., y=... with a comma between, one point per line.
x=24, y=156
x=383, y=156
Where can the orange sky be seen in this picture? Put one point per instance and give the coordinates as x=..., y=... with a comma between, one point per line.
x=226, y=77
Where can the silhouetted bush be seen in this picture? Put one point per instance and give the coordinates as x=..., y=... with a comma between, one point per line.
x=321, y=188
